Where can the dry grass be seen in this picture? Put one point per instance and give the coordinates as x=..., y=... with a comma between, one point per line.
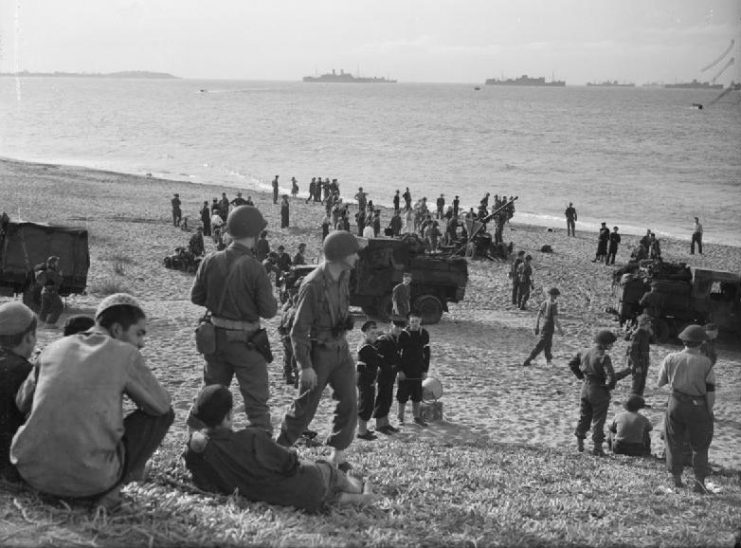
x=108, y=286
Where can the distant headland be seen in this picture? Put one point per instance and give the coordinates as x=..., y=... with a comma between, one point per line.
x=122, y=74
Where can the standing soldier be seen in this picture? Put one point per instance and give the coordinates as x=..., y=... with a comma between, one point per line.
x=206, y=219
x=440, y=206
x=177, y=213
x=285, y=212
x=638, y=353
x=320, y=347
x=696, y=237
x=549, y=312
x=690, y=412
x=50, y=280
x=288, y=313
x=238, y=201
x=456, y=206
x=224, y=206
x=594, y=367
x=513, y=275
x=614, y=240
x=524, y=282
x=275, y=190
x=235, y=289
x=312, y=190
x=570, y=220
x=401, y=295
x=294, y=187
x=396, y=201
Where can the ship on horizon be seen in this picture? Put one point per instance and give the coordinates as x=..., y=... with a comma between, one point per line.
x=611, y=84
x=525, y=80
x=694, y=84
x=347, y=78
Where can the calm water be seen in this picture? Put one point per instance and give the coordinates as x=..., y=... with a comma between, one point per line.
x=635, y=157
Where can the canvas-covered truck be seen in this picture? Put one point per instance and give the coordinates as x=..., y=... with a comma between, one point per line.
x=676, y=295
x=436, y=279
x=25, y=246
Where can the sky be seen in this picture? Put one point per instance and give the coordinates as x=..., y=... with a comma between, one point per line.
x=464, y=41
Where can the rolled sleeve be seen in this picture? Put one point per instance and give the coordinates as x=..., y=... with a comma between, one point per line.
x=144, y=389
x=301, y=330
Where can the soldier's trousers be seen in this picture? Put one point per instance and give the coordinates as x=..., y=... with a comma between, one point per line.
x=233, y=357
x=334, y=367
x=595, y=402
x=51, y=307
x=544, y=344
x=515, y=287
x=639, y=379
x=687, y=415
x=523, y=294
x=385, y=393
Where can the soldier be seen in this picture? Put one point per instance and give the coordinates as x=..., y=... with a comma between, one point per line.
x=400, y=296
x=262, y=247
x=224, y=207
x=294, y=187
x=594, y=367
x=321, y=349
x=369, y=363
x=602, y=239
x=549, y=312
x=396, y=201
x=691, y=377
x=285, y=212
x=50, y=280
x=696, y=237
x=288, y=313
x=238, y=201
x=570, y=220
x=513, y=274
x=177, y=213
x=440, y=203
x=300, y=257
x=414, y=362
x=275, y=190
x=614, y=242
x=196, y=245
x=638, y=353
x=407, y=199
x=206, y=219
x=524, y=282
x=456, y=206
x=362, y=198
x=234, y=287
x=396, y=224
x=312, y=190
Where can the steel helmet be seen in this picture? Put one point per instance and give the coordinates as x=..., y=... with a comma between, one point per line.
x=605, y=337
x=340, y=244
x=693, y=333
x=245, y=221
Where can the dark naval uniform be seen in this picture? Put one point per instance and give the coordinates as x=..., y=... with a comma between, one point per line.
x=13, y=371
x=388, y=349
x=369, y=364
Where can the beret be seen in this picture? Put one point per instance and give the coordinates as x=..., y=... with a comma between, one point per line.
x=117, y=299
x=15, y=317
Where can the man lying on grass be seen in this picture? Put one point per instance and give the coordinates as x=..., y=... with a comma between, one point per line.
x=251, y=462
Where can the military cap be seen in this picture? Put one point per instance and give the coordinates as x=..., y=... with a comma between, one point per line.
x=117, y=299
x=213, y=404
x=15, y=317
x=340, y=244
x=245, y=221
x=693, y=333
x=554, y=291
x=605, y=337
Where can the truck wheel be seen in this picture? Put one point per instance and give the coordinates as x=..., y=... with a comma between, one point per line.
x=430, y=308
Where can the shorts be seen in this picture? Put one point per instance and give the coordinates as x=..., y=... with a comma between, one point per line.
x=409, y=389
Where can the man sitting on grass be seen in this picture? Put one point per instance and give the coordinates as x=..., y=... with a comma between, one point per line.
x=250, y=461
x=76, y=442
x=630, y=432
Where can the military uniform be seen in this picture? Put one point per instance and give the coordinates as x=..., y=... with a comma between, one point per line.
x=388, y=349
x=638, y=359
x=515, y=279
x=234, y=286
x=368, y=367
x=692, y=379
x=524, y=284
x=318, y=337
x=13, y=371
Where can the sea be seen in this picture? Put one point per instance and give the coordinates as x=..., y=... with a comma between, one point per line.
x=639, y=158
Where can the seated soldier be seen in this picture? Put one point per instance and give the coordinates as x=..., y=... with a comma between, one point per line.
x=250, y=461
x=76, y=441
x=630, y=431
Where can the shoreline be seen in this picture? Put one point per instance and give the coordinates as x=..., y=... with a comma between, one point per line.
x=545, y=222
x=477, y=348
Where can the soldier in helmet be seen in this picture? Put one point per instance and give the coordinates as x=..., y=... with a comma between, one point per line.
x=594, y=367
x=234, y=287
x=321, y=349
x=691, y=377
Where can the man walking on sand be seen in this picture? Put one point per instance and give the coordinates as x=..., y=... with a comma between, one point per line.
x=696, y=237
x=549, y=312
x=570, y=220
x=235, y=288
x=321, y=349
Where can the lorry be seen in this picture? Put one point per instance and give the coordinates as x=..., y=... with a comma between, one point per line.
x=675, y=295
x=25, y=247
x=436, y=279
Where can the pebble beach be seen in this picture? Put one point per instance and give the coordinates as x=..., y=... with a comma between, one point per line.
x=477, y=348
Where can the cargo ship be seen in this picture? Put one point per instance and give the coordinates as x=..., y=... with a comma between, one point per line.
x=347, y=78
x=611, y=84
x=694, y=84
x=525, y=80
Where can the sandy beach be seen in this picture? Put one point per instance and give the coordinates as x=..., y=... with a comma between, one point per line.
x=477, y=349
